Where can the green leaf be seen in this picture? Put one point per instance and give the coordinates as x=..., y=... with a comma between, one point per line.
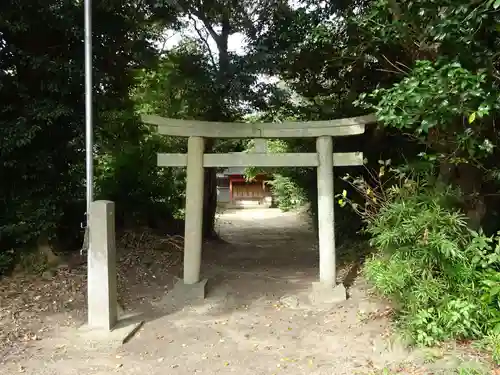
x=494, y=291
x=497, y=327
x=472, y=116
x=496, y=4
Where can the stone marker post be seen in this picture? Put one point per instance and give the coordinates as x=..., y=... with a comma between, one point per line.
x=326, y=231
x=101, y=258
x=193, y=235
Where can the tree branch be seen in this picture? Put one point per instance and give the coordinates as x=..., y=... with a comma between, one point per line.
x=191, y=10
x=207, y=24
x=204, y=39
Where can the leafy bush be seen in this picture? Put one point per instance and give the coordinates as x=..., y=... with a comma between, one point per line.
x=144, y=194
x=443, y=277
x=287, y=194
x=491, y=343
x=6, y=261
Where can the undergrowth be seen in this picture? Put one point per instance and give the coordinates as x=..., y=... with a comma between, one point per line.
x=443, y=278
x=459, y=371
x=287, y=194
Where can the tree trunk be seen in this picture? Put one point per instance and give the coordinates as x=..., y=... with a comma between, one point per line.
x=217, y=113
x=47, y=252
x=469, y=179
x=210, y=204
x=209, y=197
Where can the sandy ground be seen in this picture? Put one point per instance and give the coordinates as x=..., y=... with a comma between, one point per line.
x=255, y=320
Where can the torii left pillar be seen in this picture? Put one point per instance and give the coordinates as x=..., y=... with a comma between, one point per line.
x=191, y=288
x=193, y=232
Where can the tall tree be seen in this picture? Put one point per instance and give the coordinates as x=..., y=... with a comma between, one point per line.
x=42, y=112
x=231, y=77
x=445, y=95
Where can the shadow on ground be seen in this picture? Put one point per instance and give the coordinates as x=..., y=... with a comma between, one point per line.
x=255, y=320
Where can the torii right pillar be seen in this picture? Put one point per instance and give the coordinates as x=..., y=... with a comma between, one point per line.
x=326, y=289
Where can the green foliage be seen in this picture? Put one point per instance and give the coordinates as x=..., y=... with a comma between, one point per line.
x=7, y=260
x=445, y=78
x=145, y=194
x=33, y=262
x=444, y=105
x=491, y=343
x=172, y=87
x=287, y=194
x=378, y=188
x=469, y=371
x=442, y=275
x=41, y=117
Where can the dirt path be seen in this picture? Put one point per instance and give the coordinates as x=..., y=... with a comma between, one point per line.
x=256, y=318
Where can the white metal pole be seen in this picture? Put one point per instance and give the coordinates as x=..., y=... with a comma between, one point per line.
x=89, y=143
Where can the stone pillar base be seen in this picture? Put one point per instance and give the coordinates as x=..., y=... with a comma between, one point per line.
x=125, y=328
x=183, y=294
x=326, y=294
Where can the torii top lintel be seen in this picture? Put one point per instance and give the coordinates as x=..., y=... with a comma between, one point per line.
x=289, y=129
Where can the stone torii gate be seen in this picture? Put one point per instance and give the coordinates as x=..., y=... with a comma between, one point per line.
x=196, y=160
